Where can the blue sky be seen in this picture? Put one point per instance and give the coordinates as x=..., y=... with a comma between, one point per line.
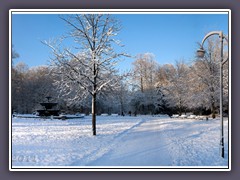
x=169, y=37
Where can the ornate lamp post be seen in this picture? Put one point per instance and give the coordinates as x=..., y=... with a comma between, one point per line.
x=200, y=53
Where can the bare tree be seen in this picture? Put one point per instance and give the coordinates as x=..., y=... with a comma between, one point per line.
x=91, y=70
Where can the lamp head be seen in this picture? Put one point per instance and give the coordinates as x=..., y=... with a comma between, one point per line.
x=200, y=52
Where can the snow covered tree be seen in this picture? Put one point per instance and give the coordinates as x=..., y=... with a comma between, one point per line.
x=121, y=94
x=19, y=88
x=205, y=72
x=14, y=54
x=39, y=82
x=144, y=70
x=29, y=87
x=14, y=79
x=173, y=84
x=143, y=78
x=92, y=69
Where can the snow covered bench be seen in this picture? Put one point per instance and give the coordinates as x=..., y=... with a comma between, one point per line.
x=201, y=117
x=79, y=114
x=192, y=117
x=183, y=116
x=175, y=116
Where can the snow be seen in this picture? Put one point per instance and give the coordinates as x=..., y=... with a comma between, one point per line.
x=121, y=141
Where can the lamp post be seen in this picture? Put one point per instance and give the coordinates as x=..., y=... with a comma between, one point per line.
x=200, y=53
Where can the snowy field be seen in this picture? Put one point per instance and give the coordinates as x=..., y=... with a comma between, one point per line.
x=120, y=141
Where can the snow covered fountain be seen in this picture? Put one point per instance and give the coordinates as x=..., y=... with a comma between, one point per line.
x=48, y=108
x=48, y=111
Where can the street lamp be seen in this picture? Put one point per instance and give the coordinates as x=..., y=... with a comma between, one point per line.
x=200, y=53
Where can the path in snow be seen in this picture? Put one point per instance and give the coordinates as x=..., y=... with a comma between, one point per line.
x=120, y=141
x=195, y=143
x=142, y=145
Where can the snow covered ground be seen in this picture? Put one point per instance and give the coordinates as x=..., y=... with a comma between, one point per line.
x=120, y=141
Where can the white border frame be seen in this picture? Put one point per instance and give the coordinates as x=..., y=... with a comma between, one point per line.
x=119, y=168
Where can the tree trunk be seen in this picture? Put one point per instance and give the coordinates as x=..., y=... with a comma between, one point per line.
x=213, y=109
x=121, y=106
x=94, y=114
x=180, y=107
x=141, y=82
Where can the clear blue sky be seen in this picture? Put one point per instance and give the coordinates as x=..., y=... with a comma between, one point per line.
x=169, y=37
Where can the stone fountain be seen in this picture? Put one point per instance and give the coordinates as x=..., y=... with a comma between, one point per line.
x=48, y=108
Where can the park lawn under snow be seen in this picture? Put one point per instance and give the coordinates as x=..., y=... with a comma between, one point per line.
x=120, y=141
